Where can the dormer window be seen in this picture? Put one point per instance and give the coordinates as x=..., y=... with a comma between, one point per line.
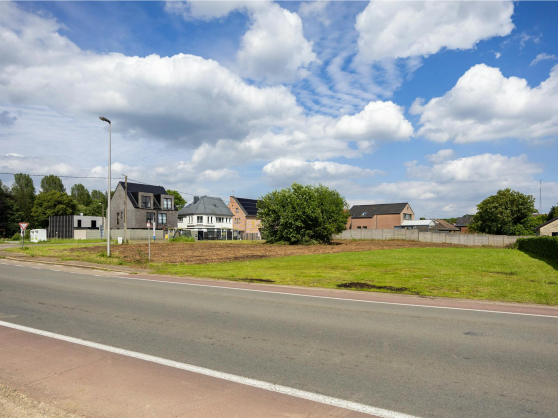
x=146, y=201
x=167, y=203
x=364, y=213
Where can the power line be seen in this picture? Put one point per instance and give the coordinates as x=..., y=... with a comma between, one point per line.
x=70, y=177
x=137, y=181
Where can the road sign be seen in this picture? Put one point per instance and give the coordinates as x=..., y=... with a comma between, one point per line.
x=23, y=225
x=148, y=225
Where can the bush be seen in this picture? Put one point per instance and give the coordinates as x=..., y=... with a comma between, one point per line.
x=543, y=246
x=17, y=236
x=182, y=239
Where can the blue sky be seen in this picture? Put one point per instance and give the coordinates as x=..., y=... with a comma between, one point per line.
x=435, y=104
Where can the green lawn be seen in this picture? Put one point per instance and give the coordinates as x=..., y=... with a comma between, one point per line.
x=470, y=273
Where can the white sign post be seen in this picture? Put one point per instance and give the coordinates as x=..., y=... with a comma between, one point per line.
x=149, y=240
x=22, y=226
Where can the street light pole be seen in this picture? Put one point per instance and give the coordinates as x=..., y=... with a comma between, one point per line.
x=109, y=188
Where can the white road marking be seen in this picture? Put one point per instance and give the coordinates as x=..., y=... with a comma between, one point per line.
x=315, y=397
x=318, y=297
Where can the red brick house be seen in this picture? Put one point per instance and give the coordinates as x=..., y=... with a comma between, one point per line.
x=382, y=216
x=244, y=215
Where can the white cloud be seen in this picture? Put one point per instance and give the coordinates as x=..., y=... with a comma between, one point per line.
x=315, y=10
x=497, y=55
x=542, y=57
x=484, y=105
x=284, y=171
x=441, y=156
x=273, y=50
x=401, y=30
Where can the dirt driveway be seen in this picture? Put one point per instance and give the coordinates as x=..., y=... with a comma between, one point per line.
x=217, y=251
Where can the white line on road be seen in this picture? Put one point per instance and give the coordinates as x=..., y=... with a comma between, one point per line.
x=315, y=397
x=315, y=296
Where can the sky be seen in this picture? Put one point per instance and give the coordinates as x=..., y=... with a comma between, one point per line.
x=438, y=104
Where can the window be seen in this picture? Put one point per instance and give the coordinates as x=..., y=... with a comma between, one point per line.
x=167, y=203
x=364, y=227
x=79, y=223
x=555, y=234
x=200, y=219
x=117, y=219
x=150, y=217
x=364, y=213
x=219, y=219
x=407, y=216
x=93, y=224
x=358, y=227
x=163, y=218
x=236, y=210
x=179, y=219
x=146, y=201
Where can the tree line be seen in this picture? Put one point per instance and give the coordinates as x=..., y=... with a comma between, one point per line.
x=21, y=203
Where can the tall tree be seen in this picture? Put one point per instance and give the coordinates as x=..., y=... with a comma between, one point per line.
x=508, y=212
x=9, y=214
x=52, y=183
x=52, y=204
x=23, y=191
x=179, y=201
x=81, y=194
x=302, y=214
x=553, y=213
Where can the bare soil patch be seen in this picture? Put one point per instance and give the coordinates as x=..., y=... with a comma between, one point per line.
x=217, y=252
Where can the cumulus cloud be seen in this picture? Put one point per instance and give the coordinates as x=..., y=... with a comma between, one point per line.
x=273, y=50
x=484, y=105
x=441, y=156
x=542, y=57
x=284, y=171
x=402, y=30
x=315, y=10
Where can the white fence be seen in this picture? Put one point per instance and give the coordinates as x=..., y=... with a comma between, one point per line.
x=416, y=235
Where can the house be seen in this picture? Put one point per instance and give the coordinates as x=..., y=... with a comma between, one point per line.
x=145, y=203
x=548, y=229
x=245, y=213
x=463, y=224
x=207, y=218
x=72, y=226
x=425, y=225
x=382, y=216
x=443, y=226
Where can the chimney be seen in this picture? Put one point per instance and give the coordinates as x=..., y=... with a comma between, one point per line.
x=196, y=199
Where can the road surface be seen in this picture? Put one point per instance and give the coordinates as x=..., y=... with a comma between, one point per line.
x=416, y=360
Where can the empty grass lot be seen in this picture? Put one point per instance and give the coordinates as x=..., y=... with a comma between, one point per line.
x=471, y=273
x=457, y=272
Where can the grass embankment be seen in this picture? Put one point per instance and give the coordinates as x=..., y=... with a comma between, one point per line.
x=469, y=273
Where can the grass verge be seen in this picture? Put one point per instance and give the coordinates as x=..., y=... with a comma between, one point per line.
x=469, y=273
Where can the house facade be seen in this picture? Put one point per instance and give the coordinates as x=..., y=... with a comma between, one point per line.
x=144, y=203
x=463, y=223
x=208, y=215
x=72, y=226
x=382, y=216
x=245, y=213
x=548, y=229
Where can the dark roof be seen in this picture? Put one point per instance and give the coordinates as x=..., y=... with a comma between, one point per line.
x=248, y=206
x=463, y=221
x=368, y=211
x=441, y=225
x=143, y=188
x=206, y=205
x=547, y=222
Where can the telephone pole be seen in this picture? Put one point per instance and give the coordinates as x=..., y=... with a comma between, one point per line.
x=540, y=196
x=126, y=210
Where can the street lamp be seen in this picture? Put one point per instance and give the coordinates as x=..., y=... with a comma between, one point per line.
x=108, y=192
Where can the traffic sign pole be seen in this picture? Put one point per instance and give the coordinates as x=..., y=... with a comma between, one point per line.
x=149, y=240
x=22, y=226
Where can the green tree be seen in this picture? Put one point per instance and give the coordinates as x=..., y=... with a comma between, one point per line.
x=9, y=213
x=81, y=195
x=52, y=183
x=179, y=201
x=23, y=191
x=52, y=204
x=302, y=214
x=553, y=213
x=508, y=212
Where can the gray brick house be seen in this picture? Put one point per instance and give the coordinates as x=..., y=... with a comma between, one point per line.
x=145, y=203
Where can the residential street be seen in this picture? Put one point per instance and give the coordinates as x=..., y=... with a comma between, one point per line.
x=416, y=360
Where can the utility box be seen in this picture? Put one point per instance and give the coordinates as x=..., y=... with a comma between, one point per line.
x=38, y=235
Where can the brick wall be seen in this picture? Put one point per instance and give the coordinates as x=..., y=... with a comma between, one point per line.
x=241, y=222
x=549, y=229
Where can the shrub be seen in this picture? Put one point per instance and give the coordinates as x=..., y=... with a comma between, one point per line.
x=182, y=239
x=543, y=246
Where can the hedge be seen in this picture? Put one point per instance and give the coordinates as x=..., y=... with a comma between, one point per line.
x=544, y=246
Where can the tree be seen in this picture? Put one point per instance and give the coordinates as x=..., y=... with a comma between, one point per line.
x=23, y=191
x=9, y=213
x=80, y=194
x=508, y=212
x=302, y=214
x=52, y=204
x=553, y=213
x=179, y=201
x=52, y=183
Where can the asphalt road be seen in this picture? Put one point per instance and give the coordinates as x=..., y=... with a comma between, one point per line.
x=420, y=361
